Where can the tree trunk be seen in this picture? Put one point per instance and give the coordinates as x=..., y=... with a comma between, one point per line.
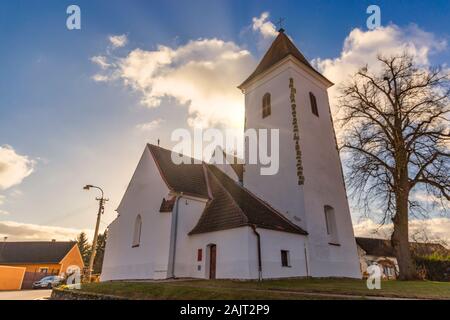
x=400, y=239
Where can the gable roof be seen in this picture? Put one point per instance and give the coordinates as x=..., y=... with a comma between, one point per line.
x=234, y=163
x=281, y=47
x=383, y=247
x=229, y=206
x=186, y=178
x=234, y=206
x=34, y=251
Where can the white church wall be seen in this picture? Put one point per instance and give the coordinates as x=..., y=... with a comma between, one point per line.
x=190, y=211
x=324, y=184
x=231, y=247
x=272, y=242
x=281, y=190
x=144, y=196
x=321, y=167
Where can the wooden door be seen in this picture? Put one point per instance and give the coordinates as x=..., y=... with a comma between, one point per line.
x=212, y=261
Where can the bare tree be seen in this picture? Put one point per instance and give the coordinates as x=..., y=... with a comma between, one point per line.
x=396, y=124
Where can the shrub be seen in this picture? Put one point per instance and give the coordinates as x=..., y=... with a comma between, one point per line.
x=434, y=267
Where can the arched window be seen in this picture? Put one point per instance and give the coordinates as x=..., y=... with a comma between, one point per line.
x=313, y=101
x=137, y=231
x=330, y=221
x=266, y=105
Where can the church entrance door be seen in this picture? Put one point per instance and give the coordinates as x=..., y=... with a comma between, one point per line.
x=212, y=261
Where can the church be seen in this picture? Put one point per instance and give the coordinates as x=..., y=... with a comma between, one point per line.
x=228, y=221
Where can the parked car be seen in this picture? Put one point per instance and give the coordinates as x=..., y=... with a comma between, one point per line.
x=48, y=282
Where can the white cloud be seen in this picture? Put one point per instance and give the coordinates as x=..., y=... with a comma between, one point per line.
x=264, y=26
x=101, y=61
x=201, y=75
x=4, y=213
x=100, y=78
x=118, y=41
x=2, y=199
x=13, y=167
x=434, y=229
x=23, y=231
x=154, y=124
x=362, y=47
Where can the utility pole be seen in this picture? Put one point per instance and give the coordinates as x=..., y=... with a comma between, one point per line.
x=101, y=210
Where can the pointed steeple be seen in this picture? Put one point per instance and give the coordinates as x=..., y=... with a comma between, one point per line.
x=281, y=47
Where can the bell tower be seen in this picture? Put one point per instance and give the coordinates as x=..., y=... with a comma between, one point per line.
x=287, y=94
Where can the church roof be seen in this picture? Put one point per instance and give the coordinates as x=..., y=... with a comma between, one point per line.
x=186, y=178
x=230, y=205
x=281, y=47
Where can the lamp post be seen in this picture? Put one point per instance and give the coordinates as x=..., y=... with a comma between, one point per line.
x=101, y=209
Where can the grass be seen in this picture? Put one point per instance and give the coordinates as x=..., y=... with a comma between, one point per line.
x=392, y=288
x=297, y=289
x=166, y=291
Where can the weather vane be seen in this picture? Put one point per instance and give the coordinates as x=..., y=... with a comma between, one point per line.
x=280, y=24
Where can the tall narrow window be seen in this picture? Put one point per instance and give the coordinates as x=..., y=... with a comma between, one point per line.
x=266, y=109
x=285, y=258
x=330, y=221
x=313, y=101
x=137, y=231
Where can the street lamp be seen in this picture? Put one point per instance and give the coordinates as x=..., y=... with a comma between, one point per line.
x=101, y=209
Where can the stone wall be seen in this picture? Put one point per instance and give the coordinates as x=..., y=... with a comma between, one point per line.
x=62, y=294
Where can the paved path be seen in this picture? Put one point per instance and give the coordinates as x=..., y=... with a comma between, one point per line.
x=25, y=295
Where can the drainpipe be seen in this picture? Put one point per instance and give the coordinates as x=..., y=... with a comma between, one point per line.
x=173, y=237
x=258, y=237
x=306, y=261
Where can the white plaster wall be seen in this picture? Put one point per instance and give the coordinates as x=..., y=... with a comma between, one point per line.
x=321, y=166
x=281, y=190
x=324, y=184
x=143, y=196
x=236, y=252
x=232, y=253
x=272, y=242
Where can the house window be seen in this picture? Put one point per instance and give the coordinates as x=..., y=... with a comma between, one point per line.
x=285, y=259
x=137, y=231
x=330, y=222
x=43, y=270
x=266, y=109
x=199, y=255
x=313, y=101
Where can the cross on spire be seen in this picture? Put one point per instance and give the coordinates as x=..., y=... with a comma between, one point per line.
x=279, y=24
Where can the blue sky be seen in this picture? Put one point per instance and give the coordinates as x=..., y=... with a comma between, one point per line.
x=73, y=130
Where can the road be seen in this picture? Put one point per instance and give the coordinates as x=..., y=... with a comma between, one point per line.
x=25, y=295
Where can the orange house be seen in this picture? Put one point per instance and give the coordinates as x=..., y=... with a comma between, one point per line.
x=40, y=257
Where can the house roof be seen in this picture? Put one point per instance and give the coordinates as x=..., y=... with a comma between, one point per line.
x=230, y=205
x=281, y=47
x=34, y=251
x=383, y=247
